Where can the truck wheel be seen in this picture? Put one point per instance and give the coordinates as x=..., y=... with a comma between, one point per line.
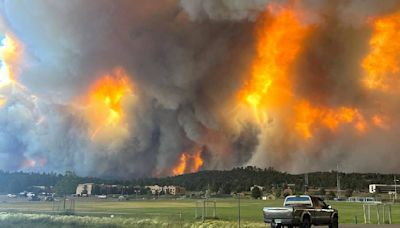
x=335, y=223
x=306, y=223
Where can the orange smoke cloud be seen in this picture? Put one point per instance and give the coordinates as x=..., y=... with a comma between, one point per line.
x=383, y=60
x=188, y=163
x=105, y=101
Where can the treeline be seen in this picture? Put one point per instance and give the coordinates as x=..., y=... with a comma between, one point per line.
x=241, y=179
x=225, y=182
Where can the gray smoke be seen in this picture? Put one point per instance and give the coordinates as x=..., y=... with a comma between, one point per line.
x=187, y=60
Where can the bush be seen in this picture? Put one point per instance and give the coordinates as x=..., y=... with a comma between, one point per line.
x=256, y=192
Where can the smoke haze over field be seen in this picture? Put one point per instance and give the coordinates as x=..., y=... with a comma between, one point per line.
x=151, y=88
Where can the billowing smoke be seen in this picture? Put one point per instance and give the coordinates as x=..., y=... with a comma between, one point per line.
x=145, y=88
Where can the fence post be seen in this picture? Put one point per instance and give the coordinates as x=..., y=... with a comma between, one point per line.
x=215, y=209
x=180, y=217
x=365, y=214
x=239, y=210
x=390, y=214
x=377, y=214
x=369, y=213
x=384, y=213
x=195, y=213
x=204, y=208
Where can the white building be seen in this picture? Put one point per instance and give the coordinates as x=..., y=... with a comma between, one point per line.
x=383, y=188
x=171, y=190
x=84, y=189
x=155, y=189
x=174, y=190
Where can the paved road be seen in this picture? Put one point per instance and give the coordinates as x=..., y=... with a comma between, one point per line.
x=368, y=226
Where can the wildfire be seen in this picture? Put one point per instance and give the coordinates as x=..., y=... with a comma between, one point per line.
x=9, y=52
x=309, y=118
x=383, y=60
x=105, y=99
x=188, y=163
x=279, y=42
x=380, y=121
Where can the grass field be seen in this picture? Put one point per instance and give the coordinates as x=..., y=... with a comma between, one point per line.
x=181, y=211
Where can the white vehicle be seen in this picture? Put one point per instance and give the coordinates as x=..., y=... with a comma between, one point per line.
x=102, y=196
x=11, y=196
x=30, y=194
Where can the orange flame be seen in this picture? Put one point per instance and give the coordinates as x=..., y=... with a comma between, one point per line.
x=188, y=163
x=383, y=60
x=270, y=87
x=104, y=101
x=8, y=53
x=278, y=44
x=308, y=118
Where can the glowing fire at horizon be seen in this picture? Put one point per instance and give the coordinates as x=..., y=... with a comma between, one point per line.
x=188, y=163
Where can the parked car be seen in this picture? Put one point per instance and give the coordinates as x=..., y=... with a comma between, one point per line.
x=102, y=196
x=48, y=198
x=33, y=198
x=302, y=211
x=122, y=198
x=30, y=194
x=11, y=195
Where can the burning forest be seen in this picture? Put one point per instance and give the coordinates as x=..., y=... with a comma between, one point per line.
x=156, y=88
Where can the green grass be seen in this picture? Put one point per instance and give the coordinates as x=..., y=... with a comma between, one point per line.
x=183, y=211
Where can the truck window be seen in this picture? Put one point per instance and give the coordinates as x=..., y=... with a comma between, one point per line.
x=298, y=200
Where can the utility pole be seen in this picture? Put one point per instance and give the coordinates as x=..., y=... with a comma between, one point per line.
x=305, y=182
x=338, y=181
x=395, y=188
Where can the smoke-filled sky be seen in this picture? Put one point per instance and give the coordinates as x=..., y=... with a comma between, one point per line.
x=130, y=88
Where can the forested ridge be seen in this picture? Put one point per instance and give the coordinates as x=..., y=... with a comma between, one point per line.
x=226, y=181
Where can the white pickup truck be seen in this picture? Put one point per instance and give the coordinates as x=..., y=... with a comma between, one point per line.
x=302, y=211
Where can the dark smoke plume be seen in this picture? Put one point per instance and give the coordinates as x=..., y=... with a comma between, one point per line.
x=187, y=61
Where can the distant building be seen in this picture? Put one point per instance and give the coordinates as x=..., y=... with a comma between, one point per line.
x=155, y=189
x=171, y=190
x=383, y=188
x=174, y=190
x=362, y=199
x=259, y=187
x=85, y=189
x=268, y=197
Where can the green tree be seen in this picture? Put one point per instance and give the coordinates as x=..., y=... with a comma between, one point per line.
x=331, y=195
x=67, y=184
x=256, y=192
x=349, y=192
